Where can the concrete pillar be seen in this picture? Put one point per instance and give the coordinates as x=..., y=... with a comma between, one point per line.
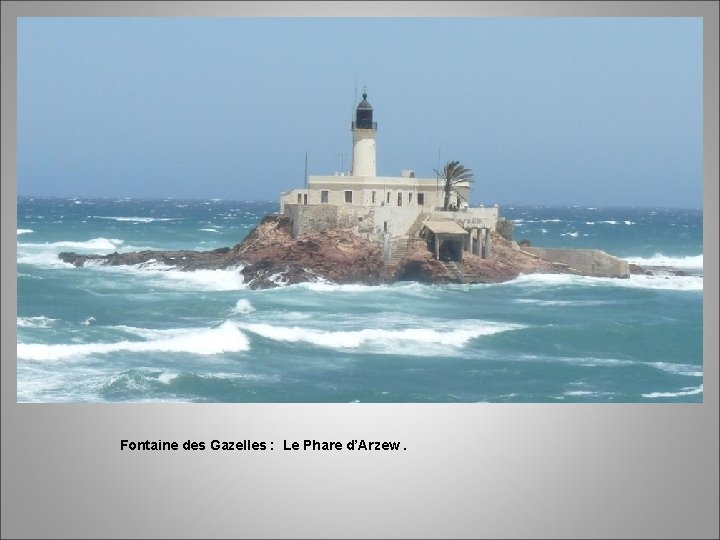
x=470, y=239
x=488, y=248
x=437, y=247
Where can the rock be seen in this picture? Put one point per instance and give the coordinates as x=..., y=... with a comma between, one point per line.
x=269, y=257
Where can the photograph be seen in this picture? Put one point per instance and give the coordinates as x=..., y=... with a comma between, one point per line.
x=331, y=269
x=360, y=210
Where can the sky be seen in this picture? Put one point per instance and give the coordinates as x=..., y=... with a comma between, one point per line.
x=544, y=111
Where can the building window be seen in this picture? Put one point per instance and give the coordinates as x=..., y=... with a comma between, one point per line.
x=421, y=199
x=399, y=198
x=388, y=197
x=348, y=197
x=324, y=197
x=299, y=198
x=305, y=199
x=373, y=197
x=385, y=228
x=410, y=198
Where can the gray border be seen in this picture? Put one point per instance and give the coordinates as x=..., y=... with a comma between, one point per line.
x=469, y=471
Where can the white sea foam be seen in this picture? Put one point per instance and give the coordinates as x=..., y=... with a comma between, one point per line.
x=573, y=234
x=35, y=322
x=325, y=286
x=678, y=283
x=229, y=279
x=159, y=275
x=390, y=341
x=210, y=230
x=166, y=377
x=686, y=391
x=678, y=369
x=668, y=283
x=46, y=254
x=95, y=245
x=243, y=307
x=690, y=261
x=135, y=219
x=24, y=231
x=548, y=303
x=200, y=341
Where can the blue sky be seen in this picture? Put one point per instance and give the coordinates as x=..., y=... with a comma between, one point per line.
x=597, y=111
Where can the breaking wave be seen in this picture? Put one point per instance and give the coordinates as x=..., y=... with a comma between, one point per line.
x=35, y=322
x=203, y=341
x=393, y=341
x=135, y=219
x=243, y=307
x=686, y=391
x=677, y=283
x=691, y=261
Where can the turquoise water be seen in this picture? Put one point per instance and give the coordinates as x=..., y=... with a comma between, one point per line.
x=152, y=333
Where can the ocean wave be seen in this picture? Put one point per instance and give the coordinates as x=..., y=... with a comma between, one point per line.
x=688, y=370
x=135, y=219
x=243, y=307
x=94, y=245
x=160, y=275
x=666, y=283
x=46, y=254
x=690, y=261
x=677, y=283
x=35, y=322
x=200, y=341
x=209, y=230
x=686, y=391
x=167, y=377
x=24, y=231
x=390, y=341
x=547, y=303
x=326, y=286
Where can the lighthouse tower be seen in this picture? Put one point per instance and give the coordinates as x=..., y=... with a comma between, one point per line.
x=364, y=130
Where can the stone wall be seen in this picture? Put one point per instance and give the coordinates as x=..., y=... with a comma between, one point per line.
x=587, y=261
x=318, y=218
x=368, y=222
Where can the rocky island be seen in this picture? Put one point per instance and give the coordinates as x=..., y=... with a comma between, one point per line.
x=358, y=227
x=270, y=256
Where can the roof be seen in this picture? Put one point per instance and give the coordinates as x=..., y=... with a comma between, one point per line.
x=364, y=103
x=445, y=227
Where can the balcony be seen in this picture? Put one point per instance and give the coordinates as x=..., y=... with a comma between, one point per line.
x=364, y=125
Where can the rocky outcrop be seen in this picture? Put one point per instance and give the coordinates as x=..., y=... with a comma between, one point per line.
x=270, y=256
x=504, y=264
x=591, y=262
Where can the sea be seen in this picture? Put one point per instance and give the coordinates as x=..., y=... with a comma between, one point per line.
x=152, y=333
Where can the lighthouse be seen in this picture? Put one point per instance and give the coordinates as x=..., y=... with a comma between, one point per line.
x=363, y=131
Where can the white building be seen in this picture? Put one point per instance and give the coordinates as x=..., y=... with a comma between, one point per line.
x=385, y=209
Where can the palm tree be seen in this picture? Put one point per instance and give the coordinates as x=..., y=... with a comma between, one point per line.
x=452, y=174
